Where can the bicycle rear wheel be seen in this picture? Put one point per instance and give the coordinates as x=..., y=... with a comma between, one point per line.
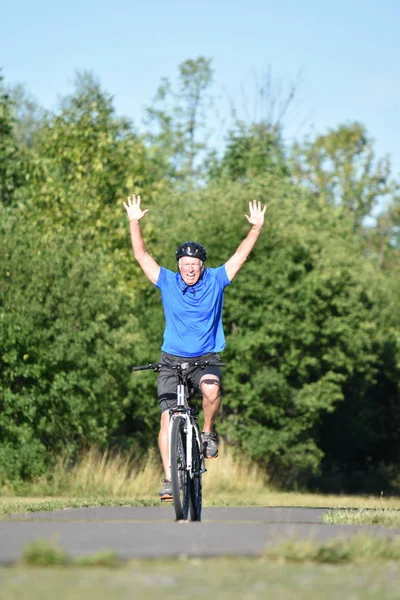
x=195, y=486
x=179, y=475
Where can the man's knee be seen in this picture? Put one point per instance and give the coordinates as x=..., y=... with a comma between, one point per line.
x=209, y=386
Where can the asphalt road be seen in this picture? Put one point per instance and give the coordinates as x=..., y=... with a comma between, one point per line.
x=152, y=532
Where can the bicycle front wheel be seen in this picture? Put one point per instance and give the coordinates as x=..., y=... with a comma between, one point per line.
x=196, y=492
x=179, y=475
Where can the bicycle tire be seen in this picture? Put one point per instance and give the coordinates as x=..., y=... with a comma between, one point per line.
x=179, y=475
x=195, y=484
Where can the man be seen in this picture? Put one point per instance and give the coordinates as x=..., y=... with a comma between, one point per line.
x=192, y=301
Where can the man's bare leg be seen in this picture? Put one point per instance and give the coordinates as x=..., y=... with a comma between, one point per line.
x=163, y=443
x=211, y=404
x=209, y=386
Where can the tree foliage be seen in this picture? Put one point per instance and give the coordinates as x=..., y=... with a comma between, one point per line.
x=86, y=160
x=340, y=167
x=68, y=340
x=312, y=321
x=252, y=151
x=11, y=158
x=176, y=119
x=28, y=115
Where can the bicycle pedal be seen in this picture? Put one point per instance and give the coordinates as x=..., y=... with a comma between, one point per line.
x=166, y=499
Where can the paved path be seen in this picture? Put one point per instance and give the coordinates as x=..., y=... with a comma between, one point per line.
x=152, y=532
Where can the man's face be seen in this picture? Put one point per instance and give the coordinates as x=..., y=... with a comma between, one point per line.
x=190, y=269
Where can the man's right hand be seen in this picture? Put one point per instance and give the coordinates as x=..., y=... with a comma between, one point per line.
x=134, y=212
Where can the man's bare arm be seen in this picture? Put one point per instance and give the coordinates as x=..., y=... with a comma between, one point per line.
x=149, y=266
x=256, y=219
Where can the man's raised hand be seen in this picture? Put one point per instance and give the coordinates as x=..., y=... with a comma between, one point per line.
x=257, y=213
x=132, y=206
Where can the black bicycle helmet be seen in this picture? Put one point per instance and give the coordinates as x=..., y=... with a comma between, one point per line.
x=193, y=249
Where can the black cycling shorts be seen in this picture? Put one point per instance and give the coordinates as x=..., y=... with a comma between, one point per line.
x=168, y=380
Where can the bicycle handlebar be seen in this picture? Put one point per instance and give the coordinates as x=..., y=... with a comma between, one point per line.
x=153, y=366
x=179, y=366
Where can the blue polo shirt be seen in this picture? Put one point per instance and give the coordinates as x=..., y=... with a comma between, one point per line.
x=193, y=315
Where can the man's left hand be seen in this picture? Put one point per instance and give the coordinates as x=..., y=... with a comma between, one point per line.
x=257, y=213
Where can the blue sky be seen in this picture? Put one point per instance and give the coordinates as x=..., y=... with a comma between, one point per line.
x=348, y=54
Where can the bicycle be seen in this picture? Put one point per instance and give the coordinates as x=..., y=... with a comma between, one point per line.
x=186, y=456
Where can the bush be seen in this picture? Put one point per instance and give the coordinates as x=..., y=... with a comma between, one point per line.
x=68, y=339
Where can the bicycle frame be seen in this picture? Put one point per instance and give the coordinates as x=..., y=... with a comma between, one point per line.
x=182, y=410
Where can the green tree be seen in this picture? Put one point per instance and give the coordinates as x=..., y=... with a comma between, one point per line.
x=68, y=339
x=11, y=159
x=340, y=168
x=176, y=120
x=254, y=144
x=382, y=238
x=28, y=115
x=252, y=151
x=87, y=160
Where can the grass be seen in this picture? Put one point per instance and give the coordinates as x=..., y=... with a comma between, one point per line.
x=360, y=548
x=225, y=579
x=17, y=505
x=44, y=553
x=379, y=516
x=48, y=553
x=103, y=479
x=96, y=474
